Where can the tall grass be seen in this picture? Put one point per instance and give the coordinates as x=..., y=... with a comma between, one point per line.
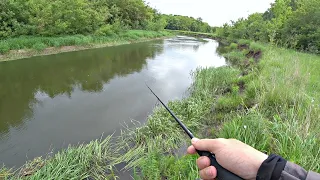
x=285, y=118
x=85, y=161
x=39, y=43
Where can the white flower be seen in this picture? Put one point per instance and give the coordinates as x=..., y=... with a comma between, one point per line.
x=245, y=126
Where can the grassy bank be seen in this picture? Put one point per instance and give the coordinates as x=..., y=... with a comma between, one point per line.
x=268, y=98
x=27, y=46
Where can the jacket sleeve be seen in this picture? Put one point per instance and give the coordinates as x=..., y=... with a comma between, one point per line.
x=295, y=172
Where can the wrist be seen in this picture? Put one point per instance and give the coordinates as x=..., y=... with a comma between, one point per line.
x=259, y=159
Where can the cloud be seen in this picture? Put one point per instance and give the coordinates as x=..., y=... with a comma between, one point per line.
x=215, y=12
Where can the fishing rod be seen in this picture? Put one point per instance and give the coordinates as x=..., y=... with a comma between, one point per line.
x=222, y=173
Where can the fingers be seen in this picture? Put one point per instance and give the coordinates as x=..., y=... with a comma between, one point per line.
x=211, y=145
x=191, y=150
x=208, y=173
x=203, y=162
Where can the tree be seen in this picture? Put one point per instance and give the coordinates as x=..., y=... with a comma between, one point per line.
x=290, y=23
x=177, y=22
x=302, y=30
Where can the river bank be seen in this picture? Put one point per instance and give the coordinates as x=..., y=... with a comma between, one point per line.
x=28, y=46
x=268, y=98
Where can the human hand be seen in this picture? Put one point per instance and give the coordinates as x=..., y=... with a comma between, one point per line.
x=235, y=156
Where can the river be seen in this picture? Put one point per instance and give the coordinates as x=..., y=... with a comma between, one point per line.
x=51, y=101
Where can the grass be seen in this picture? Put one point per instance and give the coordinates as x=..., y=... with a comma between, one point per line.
x=235, y=56
x=284, y=120
x=273, y=107
x=35, y=45
x=90, y=161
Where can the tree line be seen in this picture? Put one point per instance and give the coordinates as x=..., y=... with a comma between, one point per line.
x=100, y=17
x=185, y=23
x=289, y=23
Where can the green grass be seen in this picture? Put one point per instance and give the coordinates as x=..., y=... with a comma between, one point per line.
x=235, y=57
x=156, y=165
x=85, y=161
x=256, y=46
x=285, y=119
x=244, y=42
x=40, y=43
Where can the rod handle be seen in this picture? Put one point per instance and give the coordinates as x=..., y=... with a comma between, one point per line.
x=222, y=173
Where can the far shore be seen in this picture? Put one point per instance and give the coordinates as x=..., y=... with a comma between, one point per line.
x=27, y=53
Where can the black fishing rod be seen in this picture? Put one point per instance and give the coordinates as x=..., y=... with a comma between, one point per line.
x=222, y=173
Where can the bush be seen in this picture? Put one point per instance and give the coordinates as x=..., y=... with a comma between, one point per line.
x=233, y=46
x=105, y=30
x=4, y=48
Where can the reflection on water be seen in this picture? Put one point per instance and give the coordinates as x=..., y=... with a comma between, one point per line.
x=52, y=101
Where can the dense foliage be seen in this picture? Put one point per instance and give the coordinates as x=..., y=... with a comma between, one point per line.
x=185, y=23
x=290, y=23
x=101, y=17
x=44, y=17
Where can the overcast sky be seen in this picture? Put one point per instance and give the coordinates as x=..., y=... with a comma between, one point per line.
x=215, y=12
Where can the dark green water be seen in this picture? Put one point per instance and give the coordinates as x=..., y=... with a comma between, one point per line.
x=49, y=102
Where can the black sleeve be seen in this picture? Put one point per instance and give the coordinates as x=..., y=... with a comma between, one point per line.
x=271, y=168
x=277, y=168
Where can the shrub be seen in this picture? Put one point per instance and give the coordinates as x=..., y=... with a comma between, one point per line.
x=4, y=48
x=233, y=46
x=104, y=30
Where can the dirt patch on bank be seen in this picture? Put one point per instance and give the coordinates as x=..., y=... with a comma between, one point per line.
x=256, y=55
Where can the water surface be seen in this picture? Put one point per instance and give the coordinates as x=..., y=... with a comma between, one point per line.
x=49, y=102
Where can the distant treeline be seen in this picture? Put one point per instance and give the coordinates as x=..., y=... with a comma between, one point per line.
x=100, y=17
x=185, y=23
x=289, y=23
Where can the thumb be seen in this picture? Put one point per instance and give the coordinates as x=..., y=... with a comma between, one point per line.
x=211, y=145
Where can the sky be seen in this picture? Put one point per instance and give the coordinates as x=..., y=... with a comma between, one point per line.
x=215, y=12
